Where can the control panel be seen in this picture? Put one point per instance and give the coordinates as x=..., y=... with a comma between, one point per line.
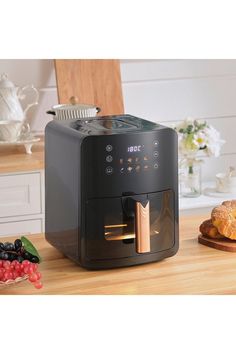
x=131, y=158
x=129, y=163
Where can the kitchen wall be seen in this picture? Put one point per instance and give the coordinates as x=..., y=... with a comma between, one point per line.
x=41, y=74
x=170, y=90
x=160, y=90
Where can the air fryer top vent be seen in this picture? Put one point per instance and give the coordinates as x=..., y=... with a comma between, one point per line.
x=104, y=125
x=112, y=125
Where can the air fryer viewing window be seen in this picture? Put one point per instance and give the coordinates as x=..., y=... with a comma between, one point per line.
x=115, y=226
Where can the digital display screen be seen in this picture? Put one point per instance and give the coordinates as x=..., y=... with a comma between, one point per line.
x=134, y=148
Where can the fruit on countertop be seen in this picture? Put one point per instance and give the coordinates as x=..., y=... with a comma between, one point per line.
x=13, y=270
x=19, y=260
x=19, y=250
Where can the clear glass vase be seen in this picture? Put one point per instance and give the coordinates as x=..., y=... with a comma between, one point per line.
x=190, y=177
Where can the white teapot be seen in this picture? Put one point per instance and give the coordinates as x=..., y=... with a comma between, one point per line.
x=10, y=96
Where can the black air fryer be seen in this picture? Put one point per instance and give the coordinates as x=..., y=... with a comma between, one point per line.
x=112, y=190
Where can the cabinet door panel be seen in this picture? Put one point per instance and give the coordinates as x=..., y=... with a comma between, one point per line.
x=20, y=194
x=21, y=227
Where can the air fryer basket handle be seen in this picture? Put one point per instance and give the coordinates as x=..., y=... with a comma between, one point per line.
x=142, y=227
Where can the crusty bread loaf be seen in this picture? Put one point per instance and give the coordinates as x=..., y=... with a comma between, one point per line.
x=208, y=229
x=224, y=219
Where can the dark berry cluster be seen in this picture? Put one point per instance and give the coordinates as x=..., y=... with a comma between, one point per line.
x=16, y=251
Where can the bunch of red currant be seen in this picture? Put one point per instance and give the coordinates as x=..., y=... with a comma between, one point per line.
x=15, y=269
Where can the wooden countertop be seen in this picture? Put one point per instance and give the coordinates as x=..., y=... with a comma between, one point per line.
x=14, y=159
x=196, y=269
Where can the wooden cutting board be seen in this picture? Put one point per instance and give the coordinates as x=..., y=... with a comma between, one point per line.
x=95, y=82
x=223, y=245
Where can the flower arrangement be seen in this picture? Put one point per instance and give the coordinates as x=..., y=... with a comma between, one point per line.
x=195, y=136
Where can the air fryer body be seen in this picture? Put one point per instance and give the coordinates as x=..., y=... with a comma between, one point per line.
x=112, y=192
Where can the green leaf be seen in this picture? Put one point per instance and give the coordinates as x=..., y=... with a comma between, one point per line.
x=29, y=247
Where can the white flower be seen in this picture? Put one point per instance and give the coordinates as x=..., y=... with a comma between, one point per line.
x=195, y=135
x=214, y=142
x=200, y=140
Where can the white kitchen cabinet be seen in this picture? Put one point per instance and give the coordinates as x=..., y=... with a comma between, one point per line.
x=24, y=227
x=21, y=203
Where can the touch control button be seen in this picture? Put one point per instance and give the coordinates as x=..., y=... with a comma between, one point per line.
x=109, y=170
x=109, y=148
x=155, y=154
x=155, y=143
x=109, y=158
x=155, y=165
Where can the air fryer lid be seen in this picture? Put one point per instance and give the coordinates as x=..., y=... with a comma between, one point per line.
x=101, y=124
x=112, y=125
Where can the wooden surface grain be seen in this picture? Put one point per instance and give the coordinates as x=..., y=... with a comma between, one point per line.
x=95, y=82
x=196, y=269
x=14, y=159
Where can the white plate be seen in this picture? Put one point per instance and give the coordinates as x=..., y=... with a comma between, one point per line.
x=212, y=192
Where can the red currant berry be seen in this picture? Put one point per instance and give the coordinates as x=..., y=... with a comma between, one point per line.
x=33, y=277
x=25, y=262
x=39, y=276
x=13, y=263
x=7, y=264
x=35, y=266
x=8, y=274
x=30, y=270
x=38, y=285
x=18, y=267
x=15, y=274
x=26, y=269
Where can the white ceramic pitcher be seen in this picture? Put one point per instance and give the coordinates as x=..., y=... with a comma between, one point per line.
x=10, y=96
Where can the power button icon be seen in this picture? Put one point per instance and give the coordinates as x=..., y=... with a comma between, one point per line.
x=109, y=148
